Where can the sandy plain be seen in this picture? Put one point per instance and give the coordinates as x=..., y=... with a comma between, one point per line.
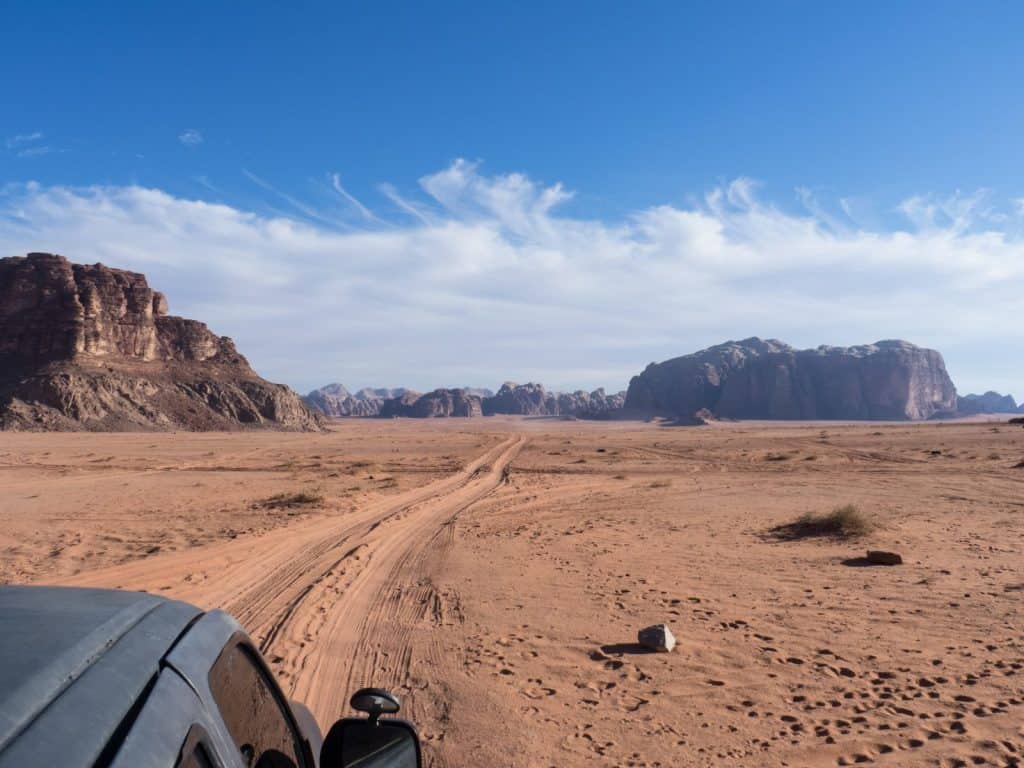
x=494, y=572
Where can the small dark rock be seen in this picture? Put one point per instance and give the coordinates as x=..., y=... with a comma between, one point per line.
x=878, y=557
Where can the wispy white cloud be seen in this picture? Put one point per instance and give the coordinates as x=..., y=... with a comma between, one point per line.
x=206, y=184
x=406, y=206
x=306, y=210
x=488, y=280
x=23, y=138
x=190, y=137
x=26, y=145
x=36, y=151
x=365, y=212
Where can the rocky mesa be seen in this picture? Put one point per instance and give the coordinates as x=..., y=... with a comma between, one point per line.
x=87, y=347
x=440, y=403
x=767, y=379
x=532, y=399
x=990, y=402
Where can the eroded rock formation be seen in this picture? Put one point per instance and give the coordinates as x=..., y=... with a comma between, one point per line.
x=591, y=405
x=437, y=404
x=335, y=401
x=990, y=402
x=533, y=400
x=767, y=379
x=522, y=400
x=90, y=347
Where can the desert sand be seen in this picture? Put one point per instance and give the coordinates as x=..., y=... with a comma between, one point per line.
x=494, y=572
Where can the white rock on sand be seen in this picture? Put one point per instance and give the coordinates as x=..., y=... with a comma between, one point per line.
x=657, y=637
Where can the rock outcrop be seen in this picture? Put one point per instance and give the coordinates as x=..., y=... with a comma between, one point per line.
x=380, y=393
x=437, y=404
x=86, y=347
x=767, y=379
x=591, y=405
x=990, y=402
x=399, y=406
x=335, y=401
x=522, y=400
x=533, y=400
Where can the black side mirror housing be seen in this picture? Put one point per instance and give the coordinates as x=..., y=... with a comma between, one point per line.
x=372, y=742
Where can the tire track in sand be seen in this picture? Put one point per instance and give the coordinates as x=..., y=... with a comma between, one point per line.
x=364, y=638
x=327, y=599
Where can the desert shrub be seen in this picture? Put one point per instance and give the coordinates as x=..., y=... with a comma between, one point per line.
x=288, y=500
x=845, y=522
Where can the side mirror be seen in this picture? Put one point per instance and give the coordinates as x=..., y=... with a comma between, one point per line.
x=370, y=742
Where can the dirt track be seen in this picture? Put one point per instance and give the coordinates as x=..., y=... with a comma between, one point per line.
x=495, y=574
x=314, y=593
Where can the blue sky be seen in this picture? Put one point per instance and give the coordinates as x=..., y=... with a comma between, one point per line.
x=568, y=190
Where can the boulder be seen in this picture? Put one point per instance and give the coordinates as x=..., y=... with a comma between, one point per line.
x=657, y=637
x=879, y=557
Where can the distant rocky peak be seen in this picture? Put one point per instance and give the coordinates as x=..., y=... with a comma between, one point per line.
x=336, y=390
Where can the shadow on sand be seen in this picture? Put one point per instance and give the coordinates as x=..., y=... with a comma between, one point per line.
x=620, y=648
x=862, y=562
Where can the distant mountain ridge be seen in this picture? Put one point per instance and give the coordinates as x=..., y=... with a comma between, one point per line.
x=752, y=378
x=336, y=401
x=91, y=347
x=530, y=399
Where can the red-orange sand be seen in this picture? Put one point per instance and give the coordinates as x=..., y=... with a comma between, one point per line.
x=494, y=573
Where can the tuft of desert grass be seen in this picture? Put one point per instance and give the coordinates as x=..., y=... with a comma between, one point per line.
x=845, y=522
x=288, y=500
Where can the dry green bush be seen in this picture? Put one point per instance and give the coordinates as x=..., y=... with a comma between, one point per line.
x=288, y=500
x=845, y=522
